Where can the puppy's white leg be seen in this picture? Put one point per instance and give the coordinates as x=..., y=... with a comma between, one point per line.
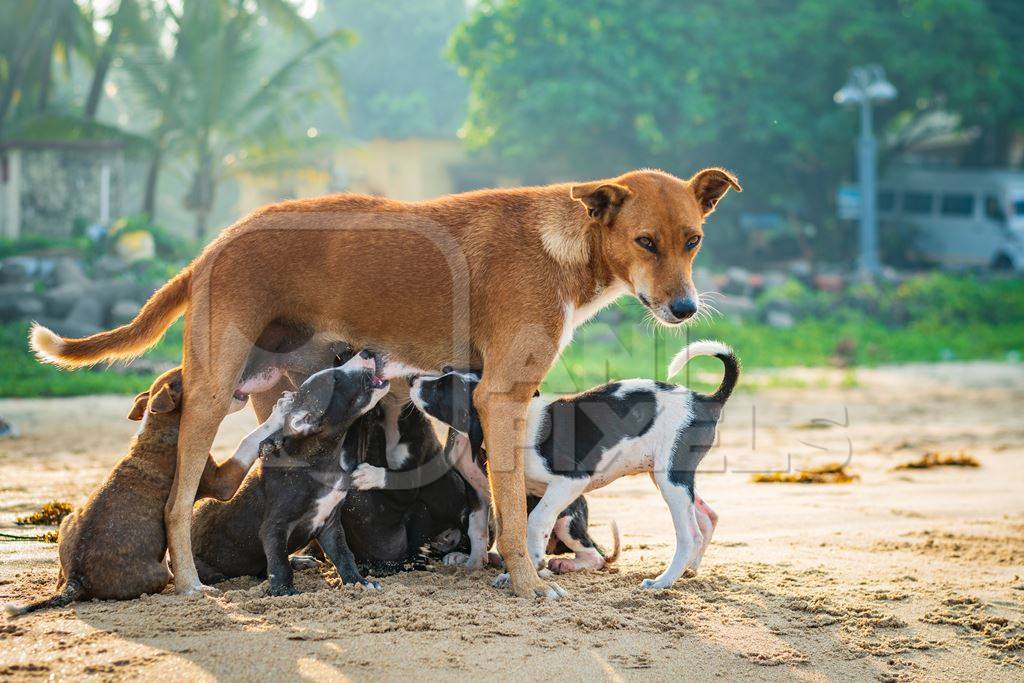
x=249, y=447
x=688, y=535
x=479, y=534
x=367, y=476
x=560, y=493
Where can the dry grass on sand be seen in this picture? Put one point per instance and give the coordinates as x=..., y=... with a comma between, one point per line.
x=905, y=575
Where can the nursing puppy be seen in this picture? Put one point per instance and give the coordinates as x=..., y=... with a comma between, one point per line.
x=114, y=546
x=583, y=442
x=293, y=494
x=406, y=497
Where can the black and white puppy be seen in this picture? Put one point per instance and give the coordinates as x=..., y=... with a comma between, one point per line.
x=293, y=494
x=583, y=442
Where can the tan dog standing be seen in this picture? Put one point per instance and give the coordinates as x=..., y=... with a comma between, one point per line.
x=494, y=278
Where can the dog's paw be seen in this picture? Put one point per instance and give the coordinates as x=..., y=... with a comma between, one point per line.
x=548, y=591
x=368, y=477
x=369, y=585
x=279, y=591
x=655, y=584
x=198, y=591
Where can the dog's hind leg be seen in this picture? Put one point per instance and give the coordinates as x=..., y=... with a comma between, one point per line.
x=688, y=535
x=707, y=521
x=332, y=540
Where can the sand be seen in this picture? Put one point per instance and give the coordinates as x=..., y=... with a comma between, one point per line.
x=902, y=575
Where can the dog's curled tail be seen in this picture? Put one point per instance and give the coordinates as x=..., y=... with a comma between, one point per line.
x=616, y=545
x=121, y=343
x=72, y=592
x=722, y=352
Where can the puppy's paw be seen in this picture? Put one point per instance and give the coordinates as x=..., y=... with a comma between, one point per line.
x=368, y=477
x=278, y=591
x=655, y=584
x=562, y=565
x=502, y=580
x=455, y=559
x=284, y=404
x=369, y=585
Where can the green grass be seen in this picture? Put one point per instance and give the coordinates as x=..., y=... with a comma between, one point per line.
x=23, y=376
x=926, y=319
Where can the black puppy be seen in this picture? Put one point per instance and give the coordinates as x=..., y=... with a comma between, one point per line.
x=406, y=503
x=293, y=494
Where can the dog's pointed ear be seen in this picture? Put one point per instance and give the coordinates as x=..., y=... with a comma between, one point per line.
x=139, y=406
x=710, y=185
x=602, y=199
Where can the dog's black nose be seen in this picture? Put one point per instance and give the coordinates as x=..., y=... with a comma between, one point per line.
x=683, y=307
x=366, y=354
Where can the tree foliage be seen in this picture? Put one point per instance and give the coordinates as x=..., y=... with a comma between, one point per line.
x=597, y=88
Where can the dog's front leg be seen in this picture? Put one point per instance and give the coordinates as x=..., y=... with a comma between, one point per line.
x=511, y=375
x=332, y=539
x=274, y=537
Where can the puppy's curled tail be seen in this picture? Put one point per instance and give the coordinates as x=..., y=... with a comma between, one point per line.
x=72, y=592
x=121, y=343
x=616, y=545
x=722, y=352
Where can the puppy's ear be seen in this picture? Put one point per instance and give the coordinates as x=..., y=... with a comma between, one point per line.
x=710, y=185
x=139, y=406
x=602, y=199
x=165, y=401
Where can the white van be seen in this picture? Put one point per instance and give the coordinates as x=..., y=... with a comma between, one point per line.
x=959, y=218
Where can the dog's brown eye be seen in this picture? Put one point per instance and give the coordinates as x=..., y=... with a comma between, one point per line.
x=647, y=243
x=692, y=242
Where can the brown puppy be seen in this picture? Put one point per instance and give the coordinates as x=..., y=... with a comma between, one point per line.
x=495, y=278
x=113, y=547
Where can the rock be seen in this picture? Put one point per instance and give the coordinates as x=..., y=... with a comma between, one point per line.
x=60, y=300
x=7, y=430
x=123, y=311
x=108, y=265
x=12, y=300
x=14, y=271
x=87, y=312
x=67, y=271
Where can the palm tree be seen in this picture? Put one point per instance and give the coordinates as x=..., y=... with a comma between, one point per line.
x=213, y=91
x=35, y=36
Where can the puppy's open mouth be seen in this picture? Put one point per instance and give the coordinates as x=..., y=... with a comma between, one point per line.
x=377, y=381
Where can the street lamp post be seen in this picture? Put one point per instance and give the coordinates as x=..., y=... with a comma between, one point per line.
x=866, y=85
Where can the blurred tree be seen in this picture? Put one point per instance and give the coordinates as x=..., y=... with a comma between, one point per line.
x=212, y=91
x=36, y=36
x=583, y=90
x=397, y=80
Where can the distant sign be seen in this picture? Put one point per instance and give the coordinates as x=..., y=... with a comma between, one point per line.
x=848, y=202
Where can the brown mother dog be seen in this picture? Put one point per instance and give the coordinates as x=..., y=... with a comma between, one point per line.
x=498, y=278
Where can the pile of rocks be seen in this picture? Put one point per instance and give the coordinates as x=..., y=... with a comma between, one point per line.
x=54, y=289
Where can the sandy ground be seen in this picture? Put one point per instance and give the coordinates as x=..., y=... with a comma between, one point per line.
x=900, y=576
